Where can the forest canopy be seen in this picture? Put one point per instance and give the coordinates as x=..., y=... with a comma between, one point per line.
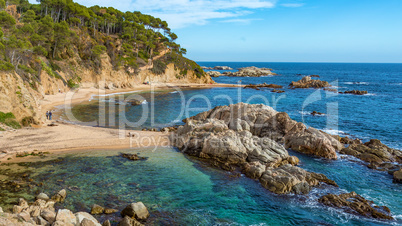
x=62, y=29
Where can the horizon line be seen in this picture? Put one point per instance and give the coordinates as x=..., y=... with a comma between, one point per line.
x=297, y=62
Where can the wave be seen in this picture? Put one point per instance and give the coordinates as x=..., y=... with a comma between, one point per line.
x=174, y=92
x=144, y=102
x=334, y=131
x=356, y=83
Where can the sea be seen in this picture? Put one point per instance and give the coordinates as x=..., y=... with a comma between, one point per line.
x=181, y=190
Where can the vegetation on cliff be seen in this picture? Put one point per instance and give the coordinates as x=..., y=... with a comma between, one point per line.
x=35, y=37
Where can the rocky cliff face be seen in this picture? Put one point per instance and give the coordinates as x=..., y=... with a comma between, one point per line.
x=21, y=95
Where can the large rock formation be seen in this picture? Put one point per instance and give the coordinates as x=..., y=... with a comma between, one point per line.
x=245, y=137
x=378, y=155
x=214, y=73
x=307, y=82
x=264, y=85
x=250, y=72
x=355, y=204
x=264, y=121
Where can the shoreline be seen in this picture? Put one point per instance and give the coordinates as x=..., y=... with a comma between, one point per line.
x=72, y=137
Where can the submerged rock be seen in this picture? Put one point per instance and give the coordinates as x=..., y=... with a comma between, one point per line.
x=307, y=82
x=354, y=203
x=250, y=72
x=246, y=136
x=132, y=157
x=355, y=92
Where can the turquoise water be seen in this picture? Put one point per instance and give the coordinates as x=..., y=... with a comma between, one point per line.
x=184, y=191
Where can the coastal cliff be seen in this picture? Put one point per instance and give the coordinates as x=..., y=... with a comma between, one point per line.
x=50, y=48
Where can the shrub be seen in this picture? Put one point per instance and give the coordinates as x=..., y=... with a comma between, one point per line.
x=6, y=66
x=27, y=69
x=71, y=83
x=9, y=120
x=27, y=121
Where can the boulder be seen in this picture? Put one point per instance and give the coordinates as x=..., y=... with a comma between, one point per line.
x=136, y=210
x=65, y=217
x=88, y=218
x=307, y=82
x=355, y=204
x=40, y=221
x=127, y=221
x=397, y=176
x=24, y=216
x=97, y=209
x=43, y=196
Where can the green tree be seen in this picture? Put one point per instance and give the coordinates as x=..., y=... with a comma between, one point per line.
x=61, y=36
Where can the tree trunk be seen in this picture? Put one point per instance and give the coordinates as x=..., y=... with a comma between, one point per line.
x=54, y=50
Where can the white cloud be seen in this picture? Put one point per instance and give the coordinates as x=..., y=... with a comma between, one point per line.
x=293, y=5
x=240, y=21
x=183, y=13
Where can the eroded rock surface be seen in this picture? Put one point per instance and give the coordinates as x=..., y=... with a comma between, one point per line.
x=246, y=137
x=354, y=203
x=307, y=82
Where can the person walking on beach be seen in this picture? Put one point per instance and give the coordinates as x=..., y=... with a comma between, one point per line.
x=50, y=115
x=47, y=114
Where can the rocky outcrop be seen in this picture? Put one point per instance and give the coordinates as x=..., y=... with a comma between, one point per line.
x=240, y=143
x=355, y=204
x=307, y=82
x=378, y=155
x=132, y=157
x=355, y=92
x=250, y=72
x=263, y=121
x=220, y=68
x=214, y=73
x=264, y=85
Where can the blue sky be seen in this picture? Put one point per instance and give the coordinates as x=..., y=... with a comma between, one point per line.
x=280, y=30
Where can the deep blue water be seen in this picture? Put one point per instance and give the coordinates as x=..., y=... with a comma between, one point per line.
x=192, y=191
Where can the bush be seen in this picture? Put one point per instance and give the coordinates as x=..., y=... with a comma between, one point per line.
x=9, y=120
x=1, y=129
x=27, y=69
x=27, y=121
x=6, y=66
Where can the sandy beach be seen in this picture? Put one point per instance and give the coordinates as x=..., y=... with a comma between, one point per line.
x=68, y=137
